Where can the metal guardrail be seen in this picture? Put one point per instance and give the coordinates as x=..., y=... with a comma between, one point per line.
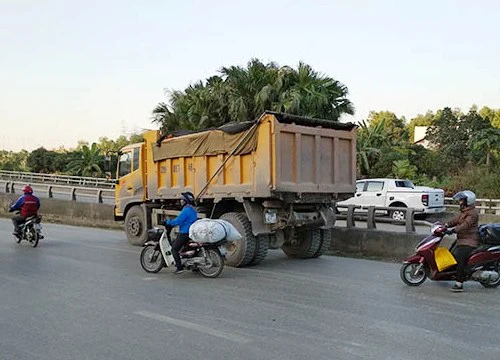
x=485, y=206
x=62, y=192
x=370, y=217
x=79, y=181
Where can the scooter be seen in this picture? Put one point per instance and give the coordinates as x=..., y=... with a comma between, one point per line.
x=483, y=265
x=204, y=258
x=31, y=230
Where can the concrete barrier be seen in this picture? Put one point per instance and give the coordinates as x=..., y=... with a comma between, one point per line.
x=377, y=244
x=68, y=212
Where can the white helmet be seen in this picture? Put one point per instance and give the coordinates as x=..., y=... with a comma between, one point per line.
x=467, y=195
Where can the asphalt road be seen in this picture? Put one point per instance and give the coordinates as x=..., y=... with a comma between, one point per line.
x=83, y=295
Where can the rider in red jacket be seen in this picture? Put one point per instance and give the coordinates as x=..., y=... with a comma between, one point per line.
x=28, y=205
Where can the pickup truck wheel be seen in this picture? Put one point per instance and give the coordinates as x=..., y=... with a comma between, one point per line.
x=309, y=244
x=397, y=215
x=261, y=248
x=326, y=239
x=240, y=253
x=135, y=226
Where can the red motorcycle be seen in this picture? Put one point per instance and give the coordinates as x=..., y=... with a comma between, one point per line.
x=483, y=265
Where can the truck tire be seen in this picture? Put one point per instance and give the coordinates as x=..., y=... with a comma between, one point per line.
x=240, y=253
x=309, y=244
x=261, y=248
x=326, y=239
x=398, y=214
x=135, y=226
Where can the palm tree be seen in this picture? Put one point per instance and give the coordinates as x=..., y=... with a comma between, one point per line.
x=369, y=141
x=244, y=93
x=87, y=161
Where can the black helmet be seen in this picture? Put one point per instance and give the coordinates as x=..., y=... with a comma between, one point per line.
x=188, y=197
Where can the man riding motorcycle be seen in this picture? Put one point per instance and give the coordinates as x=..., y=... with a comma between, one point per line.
x=465, y=225
x=28, y=205
x=184, y=220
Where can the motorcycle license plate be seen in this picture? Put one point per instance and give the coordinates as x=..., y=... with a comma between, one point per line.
x=38, y=226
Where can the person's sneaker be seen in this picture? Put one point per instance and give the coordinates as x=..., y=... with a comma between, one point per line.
x=179, y=271
x=457, y=288
x=16, y=234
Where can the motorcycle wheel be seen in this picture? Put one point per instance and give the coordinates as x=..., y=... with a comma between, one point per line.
x=33, y=236
x=151, y=259
x=410, y=278
x=217, y=264
x=490, y=284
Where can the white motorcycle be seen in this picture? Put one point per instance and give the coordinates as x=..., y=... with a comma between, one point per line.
x=204, y=258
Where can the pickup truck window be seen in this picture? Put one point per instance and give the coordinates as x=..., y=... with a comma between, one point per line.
x=360, y=186
x=404, y=184
x=375, y=186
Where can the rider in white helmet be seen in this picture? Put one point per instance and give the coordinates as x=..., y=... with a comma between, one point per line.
x=465, y=225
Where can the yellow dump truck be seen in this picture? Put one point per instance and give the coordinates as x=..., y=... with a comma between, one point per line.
x=275, y=179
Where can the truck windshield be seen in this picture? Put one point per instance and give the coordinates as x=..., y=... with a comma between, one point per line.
x=405, y=184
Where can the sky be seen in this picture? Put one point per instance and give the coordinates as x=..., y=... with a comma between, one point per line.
x=81, y=70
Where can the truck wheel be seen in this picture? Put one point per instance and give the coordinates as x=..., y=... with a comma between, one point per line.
x=135, y=226
x=397, y=215
x=261, y=248
x=240, y=253
x=326, y=239
x=309, y=244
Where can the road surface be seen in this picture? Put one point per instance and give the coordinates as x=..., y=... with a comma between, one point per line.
x=83, y=295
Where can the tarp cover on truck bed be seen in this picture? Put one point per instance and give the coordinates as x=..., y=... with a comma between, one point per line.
x=229, y=138
x=211, y=142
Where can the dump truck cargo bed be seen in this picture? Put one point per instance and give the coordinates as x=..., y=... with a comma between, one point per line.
x=274, y=155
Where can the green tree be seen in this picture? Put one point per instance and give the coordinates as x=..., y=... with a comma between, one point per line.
x=14, y=161
x=450, y=133
x=243, y=93
x=41, y=161
x=394, y=128
x=403, y=169
x=492, y=115
x=87, y=162
x=486, y=142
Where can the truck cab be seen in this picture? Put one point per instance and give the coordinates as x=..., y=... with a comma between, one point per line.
x=130, y=182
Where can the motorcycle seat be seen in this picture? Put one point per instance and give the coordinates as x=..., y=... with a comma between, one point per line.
x=480, y=249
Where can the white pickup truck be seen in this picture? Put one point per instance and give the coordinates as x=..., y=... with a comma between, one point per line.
x=396, y=193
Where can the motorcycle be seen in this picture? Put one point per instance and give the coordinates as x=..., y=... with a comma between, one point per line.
x=31, y=230
x=483, y=264
x=204, y=258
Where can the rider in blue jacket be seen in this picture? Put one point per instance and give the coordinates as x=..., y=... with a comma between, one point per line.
x=184, y=220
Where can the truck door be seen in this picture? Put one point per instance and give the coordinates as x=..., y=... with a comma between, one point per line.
x=372, y=194
x=130, y=187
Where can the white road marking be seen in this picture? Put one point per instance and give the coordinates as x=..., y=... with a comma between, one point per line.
x=193, y=326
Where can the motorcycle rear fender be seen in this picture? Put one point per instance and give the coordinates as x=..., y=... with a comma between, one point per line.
x=414, y=259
